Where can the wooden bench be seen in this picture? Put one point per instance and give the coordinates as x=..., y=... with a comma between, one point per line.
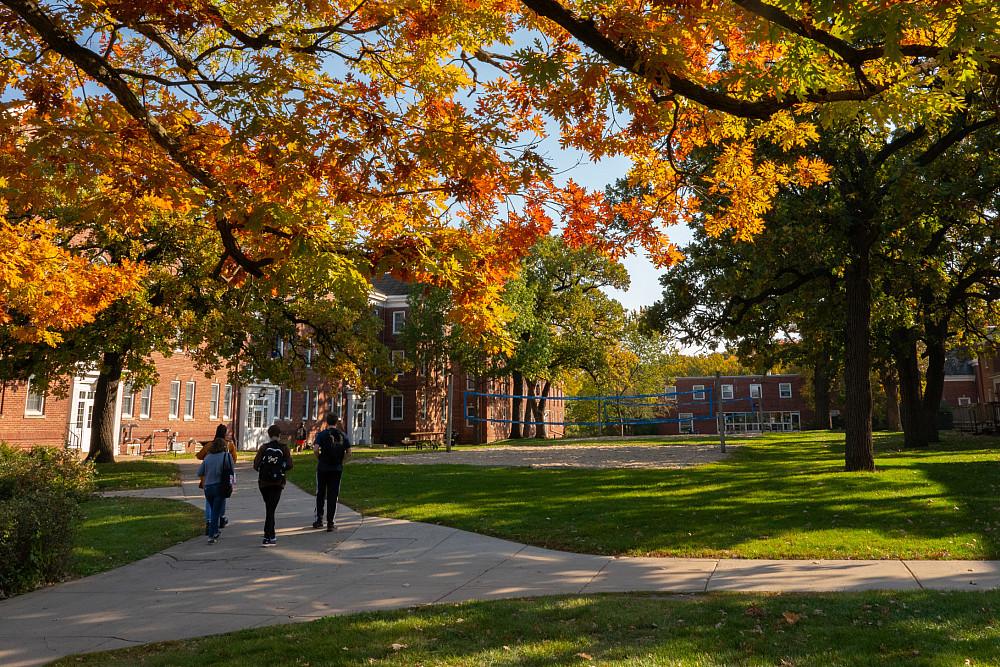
x=421, y=439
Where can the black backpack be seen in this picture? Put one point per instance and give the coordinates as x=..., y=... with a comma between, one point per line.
x=332, y=447
x=272, y=465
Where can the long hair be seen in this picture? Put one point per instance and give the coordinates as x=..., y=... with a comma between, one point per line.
x=218, y=445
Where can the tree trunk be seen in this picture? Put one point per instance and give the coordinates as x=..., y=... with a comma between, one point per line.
x=528, y=418
x=859, y=453
x=890, y=385
x=904, y=352
x=102, y=435
x=821, y=393
x=935, y=336
x=517, y=381
x=541, y=428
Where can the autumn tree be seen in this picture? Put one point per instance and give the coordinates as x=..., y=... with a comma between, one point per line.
x=404, y=124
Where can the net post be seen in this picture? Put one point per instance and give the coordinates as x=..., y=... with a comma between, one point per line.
x=720, y=418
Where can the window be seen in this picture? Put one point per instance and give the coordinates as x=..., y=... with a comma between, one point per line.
x=423, y=406
x=305, y=404
x=227, y=402
x=333, y=406
x=785, y=390
x=397, y=362
x=964, y=400
x=213, y=402
x=398, y=320
x=686, y=423
x=316, y=414
x=470, y=413
x=34, y=404
x=727, y=392
x=755, y=391
x=189, y=388
x=146, y=402
x=396, y=409
x=286, y=411
x=470, y=384
x=175, y=398
x=671, y=391
x=278, y=350
x=699, y=392
x=128, y=401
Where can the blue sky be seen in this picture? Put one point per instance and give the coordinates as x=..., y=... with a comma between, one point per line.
x=645, y=287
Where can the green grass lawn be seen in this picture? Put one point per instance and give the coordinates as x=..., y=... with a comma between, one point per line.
x=778, y=496
x=116, y=531
x=915, y=629
x=137, y=474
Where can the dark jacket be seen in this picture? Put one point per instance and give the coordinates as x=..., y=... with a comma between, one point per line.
x=327, y=467
x=288, y=462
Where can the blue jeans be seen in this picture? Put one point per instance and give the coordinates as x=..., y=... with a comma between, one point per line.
x=215, y=503
x=208, y=510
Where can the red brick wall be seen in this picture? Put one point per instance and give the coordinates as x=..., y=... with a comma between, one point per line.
x=958, y=387
x=741, y=402
x=201, y=427
x=22, y=430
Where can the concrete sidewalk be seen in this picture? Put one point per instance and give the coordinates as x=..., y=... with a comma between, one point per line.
x=195, y=589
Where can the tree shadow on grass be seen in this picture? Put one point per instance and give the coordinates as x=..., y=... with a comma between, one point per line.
x=773, y=498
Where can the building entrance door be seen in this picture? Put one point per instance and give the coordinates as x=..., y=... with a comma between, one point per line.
x=258, y=418
x=359, y=412
x=81, y=416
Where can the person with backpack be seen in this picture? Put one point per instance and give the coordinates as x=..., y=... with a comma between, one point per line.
x=273, y=460
x=332, y=448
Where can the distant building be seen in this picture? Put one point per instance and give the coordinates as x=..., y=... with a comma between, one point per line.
x=748, y=403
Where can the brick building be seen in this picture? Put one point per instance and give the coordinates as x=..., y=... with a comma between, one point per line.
x=749, y=403
x=185, y=406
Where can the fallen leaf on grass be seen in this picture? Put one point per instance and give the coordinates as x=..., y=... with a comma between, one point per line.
x=790, y=617
x=585, y=656
x=399, y=647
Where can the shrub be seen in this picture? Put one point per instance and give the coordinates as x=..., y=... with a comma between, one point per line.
x=40, y=495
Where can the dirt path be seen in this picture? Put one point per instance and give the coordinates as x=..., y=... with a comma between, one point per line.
x=568, y=456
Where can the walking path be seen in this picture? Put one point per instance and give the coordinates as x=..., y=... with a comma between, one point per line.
x=195, y=589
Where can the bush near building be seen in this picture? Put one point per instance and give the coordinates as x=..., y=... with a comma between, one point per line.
x=40, y=494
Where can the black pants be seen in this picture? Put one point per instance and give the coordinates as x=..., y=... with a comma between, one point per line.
x=327, y=490
x=271, y=495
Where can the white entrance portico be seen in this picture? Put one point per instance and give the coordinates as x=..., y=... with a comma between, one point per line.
x=358, y=420
x=258, y=407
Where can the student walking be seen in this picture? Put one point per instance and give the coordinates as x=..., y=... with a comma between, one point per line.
x=333, y=448
x=273, y=460
x=221, y=434
x=214, y=470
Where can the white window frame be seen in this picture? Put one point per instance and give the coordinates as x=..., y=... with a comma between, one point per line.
x=285, y=404
x=146, y=402
x=470, y=411
x=333, y=405
x=38, y=410
x=784, y=390
x=397, y=356
x=175, y=399
x=213, y=401
x=190, y=389
x=686, y=421
x=128, y=401
x=759, y=391
x=470, y=384
x=395, y=403
x=964, y=401
x=305, y=403
x=698, y=392
x=727, y=392
x=316, y=414
x=398, y=321
x=671, y=389
x=227, y=402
